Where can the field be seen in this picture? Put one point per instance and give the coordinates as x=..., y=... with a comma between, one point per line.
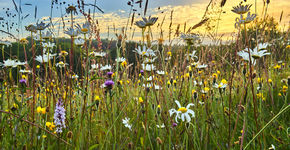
x=165, y=88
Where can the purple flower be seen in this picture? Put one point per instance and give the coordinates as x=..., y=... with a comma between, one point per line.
x=109, y=74
x=142, y=72
x=22, y=81
x=174, y=124
x=59, y=116
x=109, y=84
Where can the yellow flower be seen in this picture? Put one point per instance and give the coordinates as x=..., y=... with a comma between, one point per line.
x=169, y=53
x=44, y=136
x=193, y=91
x=224, y=81
x=259, y=80
x=15, y=105
x=97, y=98
x=43, y=110
x=168, y=83
x=206, y=89
x=269, y=80
x=279, y=94
x=189, y=68
x=128, y=81
x=218, y=72
x=23, y=41
x=214, y=75
x=138, y=81
x=187, y=75
x=50, y=125
x=38, y=109
x=121, y=82
x=174, y=81
x=140, y=100
x=124, y=63
x=199, y=72
x=159, y=106
x=277, y=66
x=259, y=95
x=285, y=88
x=288, y=46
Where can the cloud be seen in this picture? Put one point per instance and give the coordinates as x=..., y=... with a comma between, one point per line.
x=189, y=14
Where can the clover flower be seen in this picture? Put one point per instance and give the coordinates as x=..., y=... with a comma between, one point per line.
x=59, y=116
x=182, y=113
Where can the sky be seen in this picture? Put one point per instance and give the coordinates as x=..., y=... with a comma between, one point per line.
x=116, y=14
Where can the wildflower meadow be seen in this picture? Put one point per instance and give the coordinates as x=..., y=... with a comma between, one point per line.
x=71, y=82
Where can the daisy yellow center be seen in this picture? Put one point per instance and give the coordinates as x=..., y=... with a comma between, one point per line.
x=182, y=109
x=84, y=30
x=143, y=53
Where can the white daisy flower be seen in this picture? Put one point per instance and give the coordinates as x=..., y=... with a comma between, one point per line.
x=71, y=32
x=182, y=113
x=79, y=42
x=47, y=45
x=126, y=123
x=95, y=66
x=148, y=67
x=160, y=126
x=191, y=55
x=98, y=54
x=161, y=72
x=203, y=66
x=45, y=58
x=12, y=63
x=144, y=52
x=61, y=64
x=25, y=71
x=6, y=43
x=120, y=59
x=149, y=60
x=106, y=67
